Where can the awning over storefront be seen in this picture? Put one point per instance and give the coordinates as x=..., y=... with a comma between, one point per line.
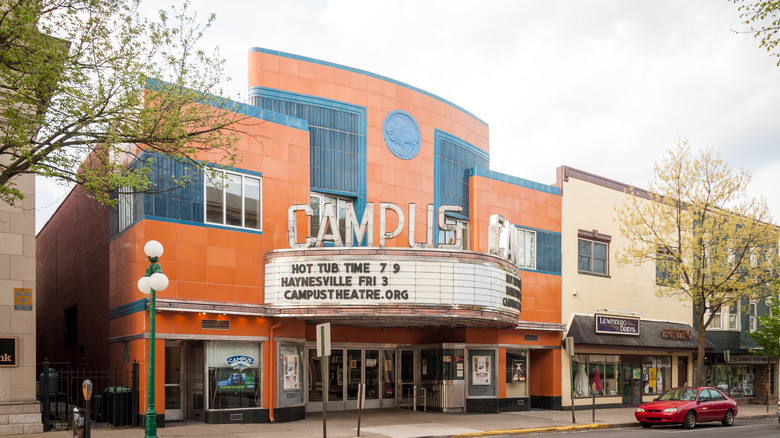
x=652, y=334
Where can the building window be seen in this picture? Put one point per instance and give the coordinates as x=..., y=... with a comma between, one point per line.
x=666, y=268
x=753, y=313
x=71, y=326
x=527, y=249
x=599, y=370
x=125, y=208
x=448, y=236
x=233, y=199
x=318, y=202
x=726, y=318
x=592, y=252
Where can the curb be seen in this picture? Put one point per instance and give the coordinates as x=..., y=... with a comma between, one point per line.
x=582, y=427
x=532, y=430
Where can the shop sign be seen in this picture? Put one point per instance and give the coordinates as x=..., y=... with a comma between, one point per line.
x=748, y=359
x=8, y=352
x=240, y=363
x=617, y=325
x=391, y=280
x=683, y=334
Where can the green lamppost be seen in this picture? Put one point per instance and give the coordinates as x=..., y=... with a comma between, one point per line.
x=154, y=280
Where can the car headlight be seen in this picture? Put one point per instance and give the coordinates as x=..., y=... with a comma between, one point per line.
x=640, y=410
x=672, y=410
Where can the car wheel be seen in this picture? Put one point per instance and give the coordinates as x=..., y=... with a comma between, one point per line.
x=690, y=420
x=728, y=420
x=646, y=425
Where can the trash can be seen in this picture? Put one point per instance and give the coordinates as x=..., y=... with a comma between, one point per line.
x=117, y=403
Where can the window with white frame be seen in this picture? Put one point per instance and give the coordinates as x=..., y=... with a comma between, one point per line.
x=233, y=199
x=527, y=249
x=448, y=236
x=317, y=202
x=125, y=208
x=753, y=315
x=593, y=252
x=726, y=318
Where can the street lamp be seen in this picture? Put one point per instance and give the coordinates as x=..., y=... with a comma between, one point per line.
x=153, y=280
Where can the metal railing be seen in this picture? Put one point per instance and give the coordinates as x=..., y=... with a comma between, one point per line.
x=114, y=401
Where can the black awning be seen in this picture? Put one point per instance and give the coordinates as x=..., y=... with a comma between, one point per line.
x=652, y=334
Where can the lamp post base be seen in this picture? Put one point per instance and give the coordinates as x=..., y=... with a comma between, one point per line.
x=150, y=430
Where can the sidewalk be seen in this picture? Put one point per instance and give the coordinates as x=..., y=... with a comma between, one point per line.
x=401, y=423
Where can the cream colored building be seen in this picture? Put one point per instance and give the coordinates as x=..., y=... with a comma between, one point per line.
x=629, y=343
x=20, y=411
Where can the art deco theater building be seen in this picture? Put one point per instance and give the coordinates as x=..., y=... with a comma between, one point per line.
x=359, y=201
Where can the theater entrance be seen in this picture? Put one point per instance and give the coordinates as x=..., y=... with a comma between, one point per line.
x=345, y=369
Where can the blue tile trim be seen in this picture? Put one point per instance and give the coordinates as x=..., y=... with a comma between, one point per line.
x=202, y=224
x=439, y=134
x=480, y=171
x=335, y=193
x=360, y=111
x=245, y=109
x=363, y=72
x=128, y=308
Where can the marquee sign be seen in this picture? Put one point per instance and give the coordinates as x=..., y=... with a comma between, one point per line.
x=392, y=277
x=617, y=325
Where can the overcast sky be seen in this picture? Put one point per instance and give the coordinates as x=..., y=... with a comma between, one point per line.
x=603, y=86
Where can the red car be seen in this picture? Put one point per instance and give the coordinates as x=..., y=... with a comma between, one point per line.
x=688, y=406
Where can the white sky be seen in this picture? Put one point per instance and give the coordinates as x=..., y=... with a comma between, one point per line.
x=604, y=86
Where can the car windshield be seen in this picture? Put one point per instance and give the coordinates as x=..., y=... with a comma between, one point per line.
x=687, y=394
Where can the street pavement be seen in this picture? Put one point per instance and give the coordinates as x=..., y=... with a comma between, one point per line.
x=403, y=423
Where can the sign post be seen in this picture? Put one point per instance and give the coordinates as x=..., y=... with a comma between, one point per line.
x=323, y=352
x=570, y=352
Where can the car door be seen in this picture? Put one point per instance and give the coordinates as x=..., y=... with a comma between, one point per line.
x=704, y=408
x=721, y=404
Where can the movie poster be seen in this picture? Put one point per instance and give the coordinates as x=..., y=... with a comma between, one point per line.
x=480, y=370
x=291, y=372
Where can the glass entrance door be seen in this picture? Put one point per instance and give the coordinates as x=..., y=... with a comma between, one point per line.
x=632, y=382
x=173, y=382
x=334, y=375
x=388, y=379
x=346, y=368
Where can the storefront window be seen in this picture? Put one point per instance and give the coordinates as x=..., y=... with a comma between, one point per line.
x=444, y=364
x=742, y=380
x=598, y=371
x=517, y=373
x=234, y=375
x=656, y=374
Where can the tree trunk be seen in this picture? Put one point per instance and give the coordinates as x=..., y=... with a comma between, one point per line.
x=699, y=373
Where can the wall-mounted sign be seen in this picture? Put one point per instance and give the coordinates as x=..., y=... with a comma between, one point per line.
x=392, y=278
x=240, y=362
x=617, y=325
x=22, y=299
x=682, y=334
x=8, y=350
x=748, y=359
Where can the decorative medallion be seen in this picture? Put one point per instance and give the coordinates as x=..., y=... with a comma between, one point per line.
x=402, y=135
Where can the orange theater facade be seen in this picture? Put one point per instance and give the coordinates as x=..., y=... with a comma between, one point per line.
x=363, y=202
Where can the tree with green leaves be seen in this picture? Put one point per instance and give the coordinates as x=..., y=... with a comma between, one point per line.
x=94, y=80
x=767, y=335
x=713, y=244
x=763, y=17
